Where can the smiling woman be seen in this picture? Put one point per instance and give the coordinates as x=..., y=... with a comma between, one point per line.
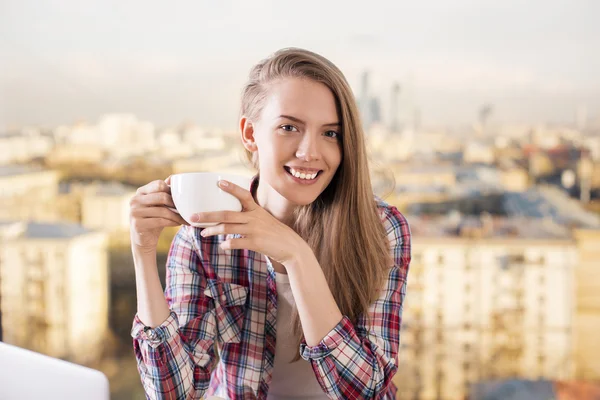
x=302, y=290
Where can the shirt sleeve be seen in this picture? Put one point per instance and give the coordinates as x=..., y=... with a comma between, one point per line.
x=175, y=359
x=358, y=361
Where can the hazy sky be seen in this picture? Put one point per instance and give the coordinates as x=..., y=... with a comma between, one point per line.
x=63, y=61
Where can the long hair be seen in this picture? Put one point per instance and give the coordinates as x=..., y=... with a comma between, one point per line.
x=342, y=225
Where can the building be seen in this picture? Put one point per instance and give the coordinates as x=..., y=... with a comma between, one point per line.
x=24, y=146
x=426, y=177
x=587, y=348
x=125, y=135
x=79, y=153
x=28, y=193
x=105, y=206
x=394, y=117
x=592, y=143
x=364, y=98
x=488, y=298
x=197, y=138
x=478, y=152
x=515, y=179
x=513, y=389
x=517, y=389
x=54, y=289
x=210, y=162
x=121, y=135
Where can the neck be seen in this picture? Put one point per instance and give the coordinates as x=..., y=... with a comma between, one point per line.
x=277, y=205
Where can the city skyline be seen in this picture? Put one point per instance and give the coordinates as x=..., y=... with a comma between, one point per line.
x=532, y=64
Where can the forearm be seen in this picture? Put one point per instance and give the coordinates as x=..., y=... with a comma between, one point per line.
x=152, y=306
x=166, y=365
x=372, y=349
x=318, y=311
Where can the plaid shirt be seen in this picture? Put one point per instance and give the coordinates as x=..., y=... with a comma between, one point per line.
x=230, y=297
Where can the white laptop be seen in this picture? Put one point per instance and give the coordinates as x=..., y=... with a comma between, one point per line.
x=27, y=375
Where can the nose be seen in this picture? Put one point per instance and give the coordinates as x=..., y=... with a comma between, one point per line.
x=308, y=149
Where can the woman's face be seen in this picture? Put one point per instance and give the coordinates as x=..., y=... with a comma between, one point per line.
x=298, y=139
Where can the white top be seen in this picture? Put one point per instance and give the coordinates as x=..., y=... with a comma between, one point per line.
x=296, y=380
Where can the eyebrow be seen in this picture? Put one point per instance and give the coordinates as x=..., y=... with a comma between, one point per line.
x=302, y=122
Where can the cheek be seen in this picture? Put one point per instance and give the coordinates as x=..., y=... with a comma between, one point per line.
x=336, y=156
x=268, y=163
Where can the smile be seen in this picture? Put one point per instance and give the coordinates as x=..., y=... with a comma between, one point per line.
x=302, y=177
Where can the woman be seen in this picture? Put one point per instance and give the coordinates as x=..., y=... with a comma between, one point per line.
x=301, y=292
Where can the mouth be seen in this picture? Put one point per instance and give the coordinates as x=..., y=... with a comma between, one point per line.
x=303, y=178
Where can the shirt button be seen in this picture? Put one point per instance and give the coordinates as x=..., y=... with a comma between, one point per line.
x=151, y=333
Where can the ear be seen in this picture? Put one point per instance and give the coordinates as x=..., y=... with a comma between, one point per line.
x=247, y=131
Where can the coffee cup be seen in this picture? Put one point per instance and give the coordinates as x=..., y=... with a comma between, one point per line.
x=196, y=192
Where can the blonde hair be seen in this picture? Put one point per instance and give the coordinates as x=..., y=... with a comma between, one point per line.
x=342, y=225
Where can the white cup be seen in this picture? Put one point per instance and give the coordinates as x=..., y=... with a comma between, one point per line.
x=196, y=192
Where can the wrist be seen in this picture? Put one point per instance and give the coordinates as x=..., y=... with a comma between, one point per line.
x=143, y=257
x=138, y=250
x=301, y=256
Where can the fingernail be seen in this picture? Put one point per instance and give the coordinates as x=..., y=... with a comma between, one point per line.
x=195, y=218
x=223, y=183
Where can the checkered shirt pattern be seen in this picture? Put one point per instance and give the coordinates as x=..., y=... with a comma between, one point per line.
x=227, y=300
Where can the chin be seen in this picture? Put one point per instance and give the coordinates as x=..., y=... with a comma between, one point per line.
x=299, y=199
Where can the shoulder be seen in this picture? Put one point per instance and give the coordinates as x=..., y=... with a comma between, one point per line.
x=394, y=222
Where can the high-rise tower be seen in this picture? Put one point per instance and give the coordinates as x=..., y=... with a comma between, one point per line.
x=364, y=102
x=394, y=117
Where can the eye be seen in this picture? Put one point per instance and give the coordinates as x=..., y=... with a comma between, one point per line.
x=289, y=128
x=332, y=134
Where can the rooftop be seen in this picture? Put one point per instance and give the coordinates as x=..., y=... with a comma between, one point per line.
x=485, y=226
x=550, y=202
x=11, y=170
x=99, y=188
x=41, y=230
x=513, y=389
x=11, y=134
x=113, y=189
x=537, y=203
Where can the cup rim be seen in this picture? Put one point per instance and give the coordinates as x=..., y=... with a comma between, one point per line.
x=212, y=173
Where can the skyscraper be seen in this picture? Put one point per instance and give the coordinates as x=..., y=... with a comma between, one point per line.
x=374, y=110
x=394, y=117
x=364, y=103
x=485, y=113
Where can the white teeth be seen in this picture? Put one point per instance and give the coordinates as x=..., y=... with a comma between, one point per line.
x=303, y=175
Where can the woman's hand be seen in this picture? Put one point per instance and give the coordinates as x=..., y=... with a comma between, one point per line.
x=149, y=214
x=261, y=232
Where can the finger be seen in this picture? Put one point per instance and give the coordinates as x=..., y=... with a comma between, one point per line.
x=243, y=195
x=238, y=243
x=158, y=212
x=154, y=186
x=152, y=223
x=168, y=180
x=229, y=217
x=154, y=199
x=226, y=229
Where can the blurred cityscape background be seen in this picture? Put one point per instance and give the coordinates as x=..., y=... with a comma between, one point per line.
x=483, y=128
